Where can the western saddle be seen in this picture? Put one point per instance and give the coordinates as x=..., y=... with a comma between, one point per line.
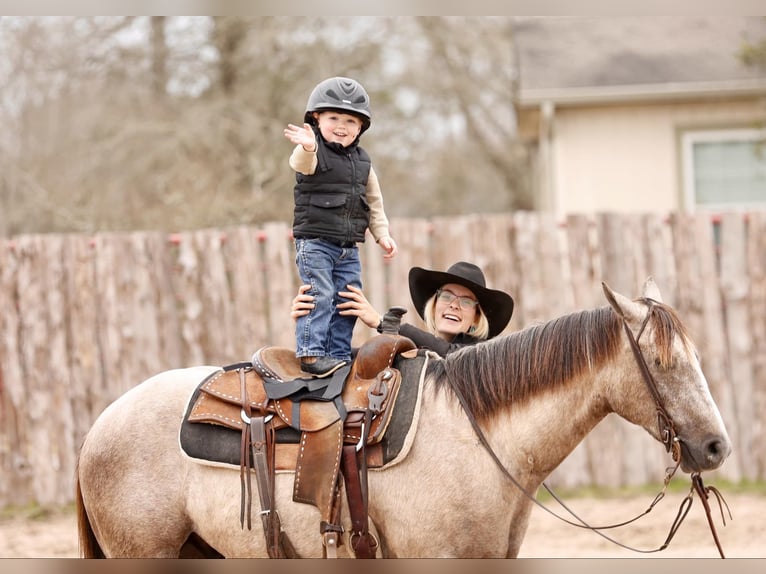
x=341, y=420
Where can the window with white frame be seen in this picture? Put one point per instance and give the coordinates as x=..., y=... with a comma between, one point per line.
x=724, y=169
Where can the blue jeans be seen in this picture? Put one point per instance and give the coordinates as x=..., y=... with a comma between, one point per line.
x=328, y=268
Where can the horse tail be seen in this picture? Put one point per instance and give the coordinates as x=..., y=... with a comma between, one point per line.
x=89, y=546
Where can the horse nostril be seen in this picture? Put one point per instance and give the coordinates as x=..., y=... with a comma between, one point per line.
x=717, y=449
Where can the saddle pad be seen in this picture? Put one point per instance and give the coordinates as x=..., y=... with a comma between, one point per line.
x=219, y=445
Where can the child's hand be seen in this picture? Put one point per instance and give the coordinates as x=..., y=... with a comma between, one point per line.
x=301, y=136
x=389, y=246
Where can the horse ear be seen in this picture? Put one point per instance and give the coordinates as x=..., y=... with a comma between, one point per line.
x=623, y=306
x=651, y=291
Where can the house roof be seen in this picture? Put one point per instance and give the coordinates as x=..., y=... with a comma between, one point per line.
x=582, y=59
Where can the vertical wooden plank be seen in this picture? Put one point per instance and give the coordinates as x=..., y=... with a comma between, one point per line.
x=217, y=313
x=159, y=253
x=756, y=266
x=45, y=366
x=530, y=303
x=88, y=387
x=584, y=270
x=619, y=252
x=248, y=290
x=16, y=471
x=112, y=262
x=686, y=253
x=28, y=306
x=139, y=313
x=190, y=308
x=542, y=292
x=128, y=310
x=540, y=260
x=491, y=237
x=56, y=378
x=658, y=255
x=32, y=336
x=553, y=266
x=735, y=292
x=449, y=242
x=279, y=266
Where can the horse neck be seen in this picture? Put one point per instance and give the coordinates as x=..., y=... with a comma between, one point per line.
x=541, y=432
x=536, y=431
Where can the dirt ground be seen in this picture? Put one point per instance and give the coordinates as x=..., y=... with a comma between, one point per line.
x=744, y=536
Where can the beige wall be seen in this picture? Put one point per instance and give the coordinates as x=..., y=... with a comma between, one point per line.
x=627, y=158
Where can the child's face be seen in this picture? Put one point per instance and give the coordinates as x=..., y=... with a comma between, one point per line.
x=338, y=127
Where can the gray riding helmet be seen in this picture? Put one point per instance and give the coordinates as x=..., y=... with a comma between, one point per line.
x=342, y=94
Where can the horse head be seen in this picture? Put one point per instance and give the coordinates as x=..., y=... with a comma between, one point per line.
x=675, y=405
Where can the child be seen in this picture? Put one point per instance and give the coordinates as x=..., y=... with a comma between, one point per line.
x=337, y=198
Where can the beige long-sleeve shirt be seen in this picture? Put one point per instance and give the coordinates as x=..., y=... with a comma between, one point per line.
x=305, y=162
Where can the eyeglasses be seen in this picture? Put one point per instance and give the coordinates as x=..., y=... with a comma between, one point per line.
x=446, y=296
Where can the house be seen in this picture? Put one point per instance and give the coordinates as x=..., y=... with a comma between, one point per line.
x=643, y=114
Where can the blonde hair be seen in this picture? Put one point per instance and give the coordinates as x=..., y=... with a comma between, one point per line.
x=480, y=328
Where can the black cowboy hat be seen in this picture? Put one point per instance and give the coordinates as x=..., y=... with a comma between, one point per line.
x=497, y=306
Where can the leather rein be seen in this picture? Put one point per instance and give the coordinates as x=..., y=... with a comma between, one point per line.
x=668, y=437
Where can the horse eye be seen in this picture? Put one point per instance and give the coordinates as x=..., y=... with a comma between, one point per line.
x=657, y=362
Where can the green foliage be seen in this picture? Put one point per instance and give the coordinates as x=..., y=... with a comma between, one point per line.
x=754, y=54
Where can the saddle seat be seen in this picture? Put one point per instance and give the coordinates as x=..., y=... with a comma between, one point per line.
x=220, y=400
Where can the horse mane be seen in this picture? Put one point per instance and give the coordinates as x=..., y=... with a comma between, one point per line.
x=515, y=367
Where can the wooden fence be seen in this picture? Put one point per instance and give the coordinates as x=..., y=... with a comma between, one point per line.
x=85, y=318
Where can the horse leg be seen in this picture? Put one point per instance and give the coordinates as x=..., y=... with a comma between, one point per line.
x=196, y=547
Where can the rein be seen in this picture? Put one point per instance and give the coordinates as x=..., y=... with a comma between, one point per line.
x=669, y=438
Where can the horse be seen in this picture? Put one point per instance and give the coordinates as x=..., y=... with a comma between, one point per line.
x=533, y=395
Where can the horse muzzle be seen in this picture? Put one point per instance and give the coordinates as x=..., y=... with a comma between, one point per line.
x=708, y=454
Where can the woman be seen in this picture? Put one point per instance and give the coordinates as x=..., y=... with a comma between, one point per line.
x=456, y=305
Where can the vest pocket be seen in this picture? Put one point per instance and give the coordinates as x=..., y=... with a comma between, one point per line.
x=328, y=200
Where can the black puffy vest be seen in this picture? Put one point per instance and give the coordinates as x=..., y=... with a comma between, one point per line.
x=332, y=203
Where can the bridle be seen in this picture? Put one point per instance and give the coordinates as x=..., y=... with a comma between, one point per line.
x=667, y=430
x=668, y=437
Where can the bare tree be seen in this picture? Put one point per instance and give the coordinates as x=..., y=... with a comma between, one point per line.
x=159, y=56
x=176, y=122
x=449, y=112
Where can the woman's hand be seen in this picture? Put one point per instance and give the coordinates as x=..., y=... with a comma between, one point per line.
x=302, y=303
x=358, y=306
